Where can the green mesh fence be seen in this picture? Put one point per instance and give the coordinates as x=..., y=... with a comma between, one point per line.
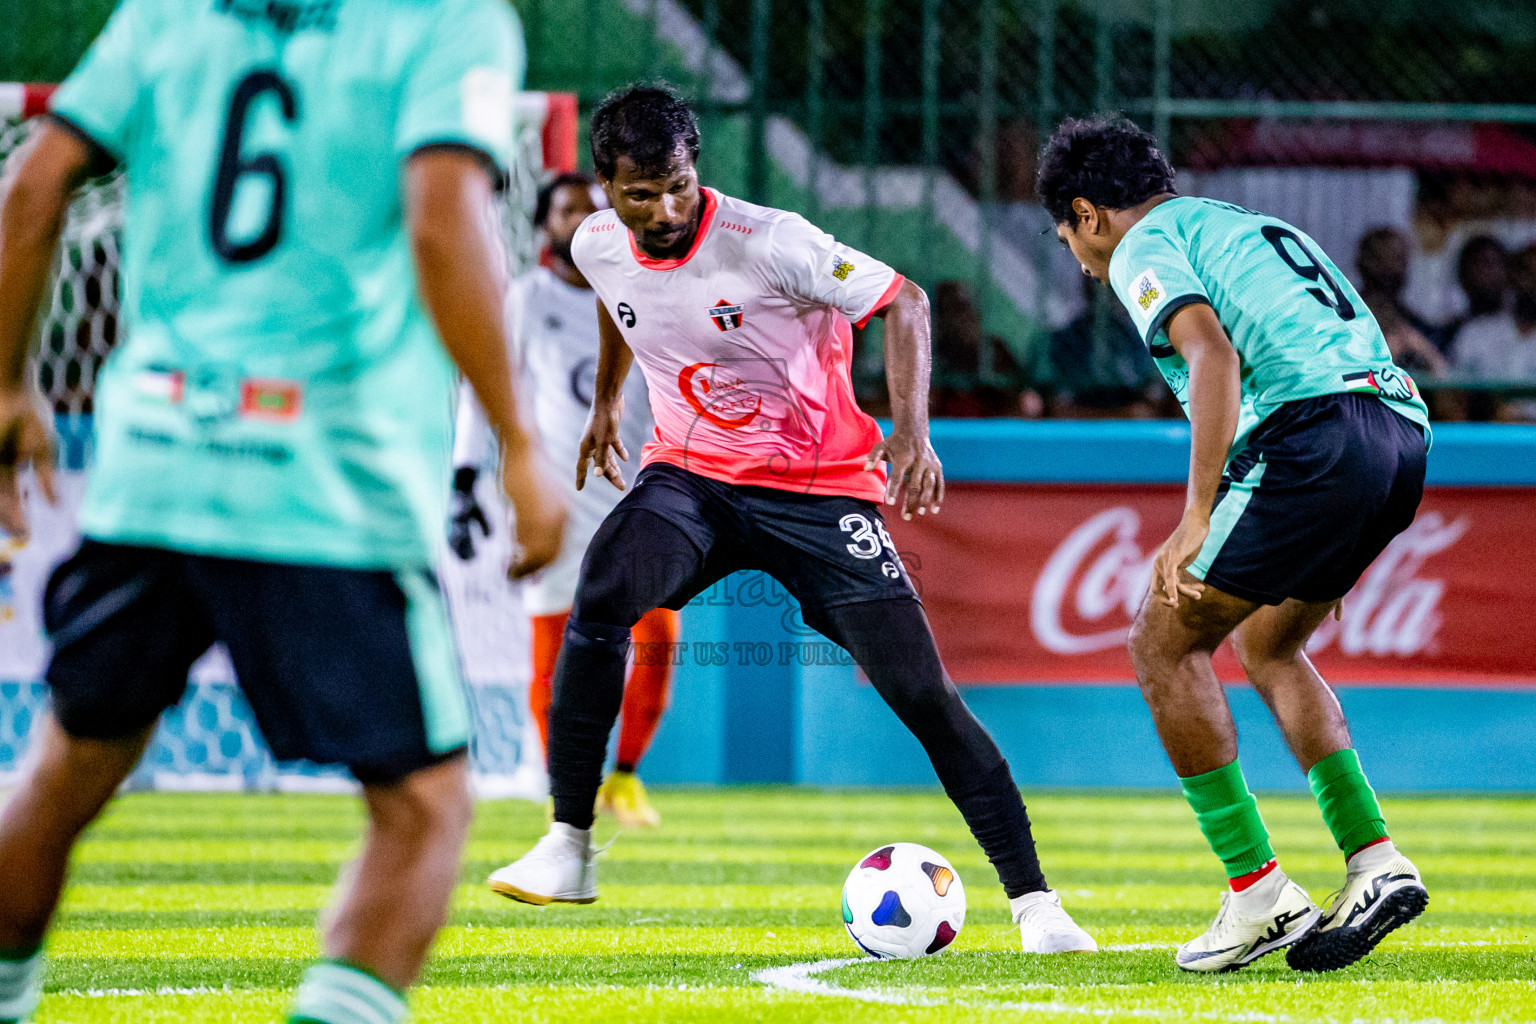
x=910, y=127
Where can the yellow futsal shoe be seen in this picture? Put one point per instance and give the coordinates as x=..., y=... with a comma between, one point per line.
x=623, y=796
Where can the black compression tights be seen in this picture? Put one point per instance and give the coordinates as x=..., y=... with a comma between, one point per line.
x=889, y=639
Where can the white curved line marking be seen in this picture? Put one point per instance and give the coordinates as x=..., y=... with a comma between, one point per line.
x=802, y=978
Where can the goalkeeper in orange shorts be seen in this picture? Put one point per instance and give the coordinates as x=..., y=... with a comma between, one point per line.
x=552, y=334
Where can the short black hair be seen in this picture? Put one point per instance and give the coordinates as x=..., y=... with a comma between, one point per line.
x=570, y=179
x=1105, y=159
x=647, y=123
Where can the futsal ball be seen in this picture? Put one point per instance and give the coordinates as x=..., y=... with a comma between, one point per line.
x=903, y=901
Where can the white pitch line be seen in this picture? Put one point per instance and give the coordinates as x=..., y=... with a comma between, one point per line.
x=801, y=978
x=109, y=993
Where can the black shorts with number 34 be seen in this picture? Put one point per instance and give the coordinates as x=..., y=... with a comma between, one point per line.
x=827, y=550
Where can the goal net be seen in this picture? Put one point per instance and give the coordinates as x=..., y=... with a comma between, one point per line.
x=210, y=740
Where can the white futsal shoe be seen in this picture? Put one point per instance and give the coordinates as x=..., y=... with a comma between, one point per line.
x=1382, y=892
x=1271, y=914
x=1045, y=927
x=559, y=869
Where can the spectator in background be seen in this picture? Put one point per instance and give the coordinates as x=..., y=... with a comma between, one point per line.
x=1098, y=365
x=960, y=385
x=1501, y=346
x=1482, y=270
x=1382, y=260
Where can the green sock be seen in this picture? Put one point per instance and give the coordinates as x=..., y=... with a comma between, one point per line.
x=21, y=986
x=1349, y=805
x=1229, y=817
x=336, y=993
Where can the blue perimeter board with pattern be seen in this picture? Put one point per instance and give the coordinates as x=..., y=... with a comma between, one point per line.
x=735, y=723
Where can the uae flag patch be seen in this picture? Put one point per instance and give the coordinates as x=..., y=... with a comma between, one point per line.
x=726, y=315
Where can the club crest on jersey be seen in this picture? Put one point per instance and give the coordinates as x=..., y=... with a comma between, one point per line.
x=841, y=268
x=726, y=315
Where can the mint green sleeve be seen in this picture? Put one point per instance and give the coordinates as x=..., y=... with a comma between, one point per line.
x=1153, y=279
x=461, y=83
x=101, y=98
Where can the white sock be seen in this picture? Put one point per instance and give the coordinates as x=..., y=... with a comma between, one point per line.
x=1017, y=904
x=575, y=836
x=1371, y=858
x=1261, y=894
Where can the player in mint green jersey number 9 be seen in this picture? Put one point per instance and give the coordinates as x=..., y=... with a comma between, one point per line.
x=307, y=190
x=1307, y=457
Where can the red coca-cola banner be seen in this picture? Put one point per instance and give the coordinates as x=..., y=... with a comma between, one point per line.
x=1038, y=583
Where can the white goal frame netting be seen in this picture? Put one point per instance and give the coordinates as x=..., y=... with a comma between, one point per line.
x=210, y=740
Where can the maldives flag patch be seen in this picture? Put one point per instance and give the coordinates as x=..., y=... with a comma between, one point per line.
x=278, y=401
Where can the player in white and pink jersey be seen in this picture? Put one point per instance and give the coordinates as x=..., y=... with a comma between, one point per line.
x=552, y=338
x=739, y=317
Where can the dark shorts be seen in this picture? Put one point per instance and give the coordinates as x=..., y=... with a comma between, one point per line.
x=341, y=666
x=1321, y=489
x=827, y=550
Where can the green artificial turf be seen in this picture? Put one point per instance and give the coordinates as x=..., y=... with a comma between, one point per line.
x=202, y=907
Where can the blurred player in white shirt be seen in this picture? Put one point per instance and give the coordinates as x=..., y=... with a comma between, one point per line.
x=552, y=333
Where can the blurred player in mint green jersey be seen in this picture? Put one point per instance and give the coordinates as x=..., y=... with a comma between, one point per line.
x=1307, y=456
x=307, y=193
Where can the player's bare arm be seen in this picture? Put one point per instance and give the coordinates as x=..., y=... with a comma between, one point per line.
x=35, y=201
x=916, y=478
x=1214, y=397
x=600, y=442
x=447, y=193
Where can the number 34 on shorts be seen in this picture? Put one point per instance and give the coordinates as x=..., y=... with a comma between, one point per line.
x=870, y=540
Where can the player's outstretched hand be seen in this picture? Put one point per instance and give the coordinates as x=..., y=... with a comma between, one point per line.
x=916, y=477
x=540, y=509
x=467, y=515
x=25, y=440
x=1177, y=552
x=600, y=444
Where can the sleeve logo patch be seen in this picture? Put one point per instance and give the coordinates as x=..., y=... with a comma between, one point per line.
x=1148, y=292
x=841, y=268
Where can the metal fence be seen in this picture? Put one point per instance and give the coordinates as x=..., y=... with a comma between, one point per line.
x=911, y=127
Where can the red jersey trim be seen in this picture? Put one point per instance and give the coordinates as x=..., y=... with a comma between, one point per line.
x=886, y=298
x=711, y=202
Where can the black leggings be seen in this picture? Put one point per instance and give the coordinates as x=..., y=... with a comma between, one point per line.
x=649, y=563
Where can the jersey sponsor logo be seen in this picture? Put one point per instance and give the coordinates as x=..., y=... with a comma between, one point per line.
x=1386, y=381
x=626, y=314
x=718, y=395
x=1148, y=292
x=841, y=268
x=726, y=315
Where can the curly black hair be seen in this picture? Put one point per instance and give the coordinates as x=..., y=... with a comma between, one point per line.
x=546, y=197
x=1105, y=159
x=647, y=123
